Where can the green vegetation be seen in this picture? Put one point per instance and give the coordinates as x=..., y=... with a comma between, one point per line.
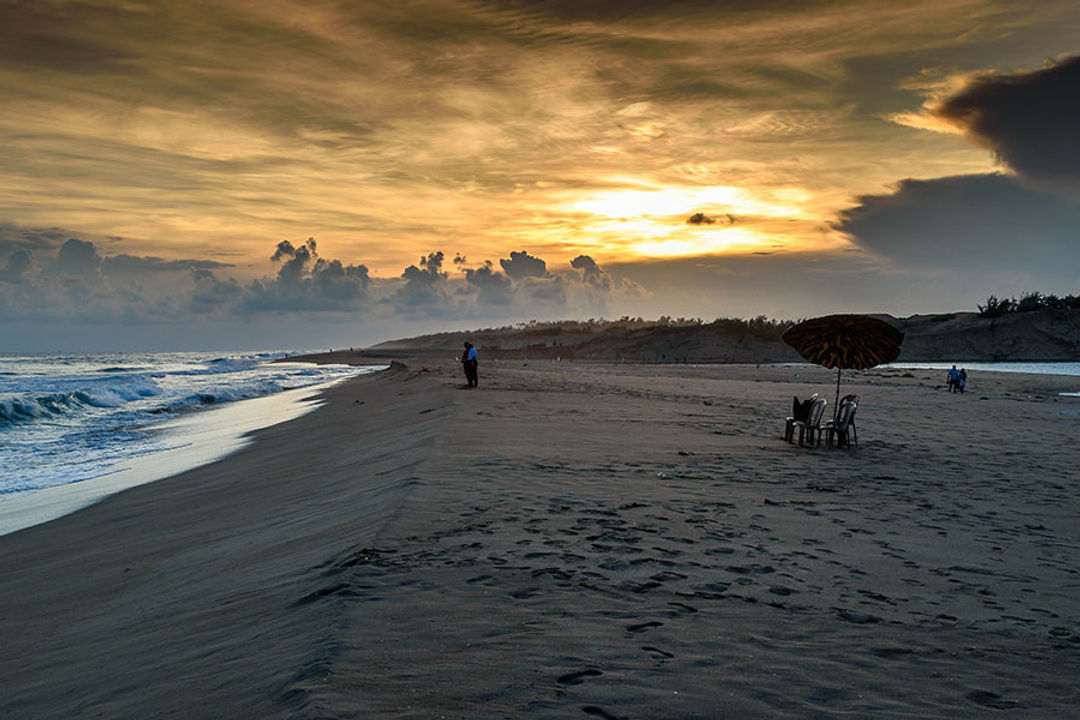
x=759, y=326
x=1028, y=302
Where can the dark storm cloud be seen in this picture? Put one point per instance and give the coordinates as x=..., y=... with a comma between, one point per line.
x=1029, y=119
x=971, y=223
x=604, y=11
x=47, y=36
x=522, y=265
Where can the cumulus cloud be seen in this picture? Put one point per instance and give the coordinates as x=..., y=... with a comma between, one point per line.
x=306, y=281
x=1028, y=119
x=13, y=237
x=430, y=269
x=336, y=280
x=494, y=288
x=294, y=259
x=522, y=265
x=211, y=295
x=424, y=286
x=77, y=281
x=17, y=266
x=78, y=259
x=591, y=273
x=970, y=223
x=549, y=291
x=525, y=288
x=594, y=289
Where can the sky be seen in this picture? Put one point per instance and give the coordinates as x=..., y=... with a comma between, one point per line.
x=327, y=173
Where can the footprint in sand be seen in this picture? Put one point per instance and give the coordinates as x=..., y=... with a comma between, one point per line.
x=639, y=587
x=525, y=593
x=327, y=591
x=576, y=678
x=600, y=713
x=991, y=700
x=642, y=627
x=751, y=569
x=856, y=617
x=657, y=653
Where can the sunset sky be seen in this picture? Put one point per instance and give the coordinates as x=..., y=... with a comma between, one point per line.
x=163, y=164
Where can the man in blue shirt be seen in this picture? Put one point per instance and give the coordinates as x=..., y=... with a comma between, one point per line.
x=470, y=362
x=954, y=378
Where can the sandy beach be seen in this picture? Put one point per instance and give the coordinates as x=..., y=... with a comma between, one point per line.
x=572, y=540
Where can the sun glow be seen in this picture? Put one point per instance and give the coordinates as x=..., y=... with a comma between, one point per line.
x=707, y=243
x=651, y=221
x=625, y=204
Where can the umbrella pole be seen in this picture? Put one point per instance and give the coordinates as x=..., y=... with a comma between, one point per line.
x=836, y=407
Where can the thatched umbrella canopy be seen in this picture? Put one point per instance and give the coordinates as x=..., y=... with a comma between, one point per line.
x=853, y=342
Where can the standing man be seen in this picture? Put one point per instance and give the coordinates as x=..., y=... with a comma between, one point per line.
x=954, y=378
x=470, y=362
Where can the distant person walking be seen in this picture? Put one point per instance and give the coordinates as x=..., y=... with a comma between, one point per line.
x=469, y=363
x=954, y=378
x=961, y=380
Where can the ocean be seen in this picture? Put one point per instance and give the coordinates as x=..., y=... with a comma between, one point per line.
x=77, y=427
x=1037, y=368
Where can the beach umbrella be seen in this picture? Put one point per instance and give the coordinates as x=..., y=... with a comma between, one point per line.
x=845, y=342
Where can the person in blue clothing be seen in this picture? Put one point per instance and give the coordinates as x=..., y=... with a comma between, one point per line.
x=954, y=377
x=470, y=362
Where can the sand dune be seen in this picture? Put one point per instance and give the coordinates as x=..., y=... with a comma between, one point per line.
x=1043, y=335
x=577, y=541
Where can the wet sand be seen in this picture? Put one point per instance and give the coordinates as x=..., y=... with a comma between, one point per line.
x=608, y=541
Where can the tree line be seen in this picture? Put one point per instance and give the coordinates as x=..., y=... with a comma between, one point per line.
x=1028, y=302
x=760, y=326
